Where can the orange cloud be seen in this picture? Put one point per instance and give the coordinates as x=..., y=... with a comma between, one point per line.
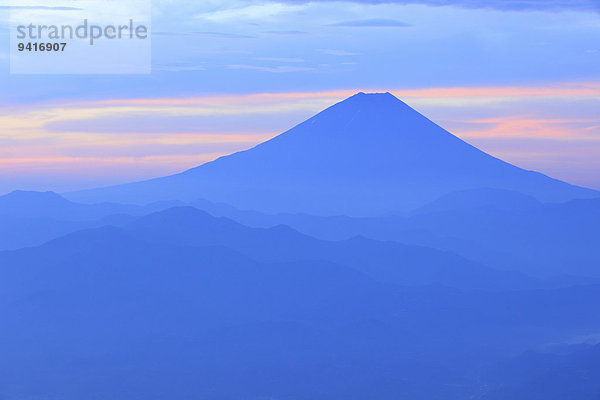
x=580, y=90
x=28, y=146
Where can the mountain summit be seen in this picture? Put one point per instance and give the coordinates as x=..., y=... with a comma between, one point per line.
x=366, y=155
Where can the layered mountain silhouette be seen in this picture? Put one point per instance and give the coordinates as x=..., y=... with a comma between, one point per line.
x=31, y=204
x=366, y=253
x=367, y=155
x=386, y=262
x=498, y=228
x=29, y=218
x=113, y=313
x=502, y=229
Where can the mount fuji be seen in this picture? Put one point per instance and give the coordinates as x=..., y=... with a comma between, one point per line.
x=367, y=155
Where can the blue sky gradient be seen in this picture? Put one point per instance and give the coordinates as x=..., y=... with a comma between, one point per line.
x=305, y=49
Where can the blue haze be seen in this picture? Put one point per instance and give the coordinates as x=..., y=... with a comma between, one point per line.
x=431, y=270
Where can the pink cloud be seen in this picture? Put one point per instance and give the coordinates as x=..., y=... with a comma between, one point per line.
x=526, y=112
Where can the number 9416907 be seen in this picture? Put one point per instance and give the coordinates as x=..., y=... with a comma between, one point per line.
x=41, y=46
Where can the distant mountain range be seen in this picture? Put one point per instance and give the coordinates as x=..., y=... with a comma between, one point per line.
x=497, y=228
x=178, y=304
x=365, y=254
x=387, y=262
x=367, y=155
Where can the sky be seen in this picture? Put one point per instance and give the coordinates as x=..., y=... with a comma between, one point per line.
x=518, y=79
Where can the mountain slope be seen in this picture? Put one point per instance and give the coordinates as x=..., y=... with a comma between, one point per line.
x=481, y=198
x=545, y=240
x=387, y=262
x=32, y=204
x=366, y=155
